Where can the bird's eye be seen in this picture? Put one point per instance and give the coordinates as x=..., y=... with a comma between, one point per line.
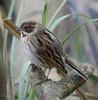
x=28, y=29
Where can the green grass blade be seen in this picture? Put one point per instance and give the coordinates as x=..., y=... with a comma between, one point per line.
x=57, y=22
x=19, y=13
x=12, y=56
x=25, y=94
x=32, y=94
x=76, y=29
x=94, y=77
x=6, y=32
x=11, y=8
x=55, y=14
x=6, y=66
x=77, y=50
x=45, y=14
x=14, y=42
x=12, y=64
x=88, y=17
x=22, y=81
x=3, y=48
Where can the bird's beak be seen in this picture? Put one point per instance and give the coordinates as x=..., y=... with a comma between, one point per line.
x=20, y=31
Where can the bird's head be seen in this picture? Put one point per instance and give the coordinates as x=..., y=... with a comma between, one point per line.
x=27, y=29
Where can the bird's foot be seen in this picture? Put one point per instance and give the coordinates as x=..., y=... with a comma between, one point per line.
x=41, y=82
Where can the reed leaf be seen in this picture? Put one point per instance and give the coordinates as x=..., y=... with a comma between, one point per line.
x=76, y=29
x=58, y=21
x=55, y=14
x=45, y=14
x=32, y=94
x=22, y=83
x=94, y=78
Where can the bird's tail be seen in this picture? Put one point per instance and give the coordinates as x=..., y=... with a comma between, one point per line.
x=62, y=73
x=71, y=64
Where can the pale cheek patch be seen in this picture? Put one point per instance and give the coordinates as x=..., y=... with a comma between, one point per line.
x=22, y=39
x=24, y=44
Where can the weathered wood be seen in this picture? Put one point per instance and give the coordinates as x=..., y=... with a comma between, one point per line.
x=51, y=90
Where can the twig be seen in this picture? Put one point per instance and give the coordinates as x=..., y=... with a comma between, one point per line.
x=10, y=26
x=51, y=90
x=81, y=94
x=89, y=95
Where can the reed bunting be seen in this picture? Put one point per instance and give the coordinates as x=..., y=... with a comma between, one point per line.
x=43, y=48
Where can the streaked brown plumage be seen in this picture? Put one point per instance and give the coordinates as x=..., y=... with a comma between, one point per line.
x=42, y=44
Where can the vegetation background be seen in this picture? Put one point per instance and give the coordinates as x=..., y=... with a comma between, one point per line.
x=72, y=21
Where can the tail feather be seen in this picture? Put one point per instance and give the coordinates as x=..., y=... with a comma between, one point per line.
x=75, y=68
x=70, y=63
x=62, y=73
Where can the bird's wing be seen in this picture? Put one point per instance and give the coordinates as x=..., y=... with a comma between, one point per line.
x=55, y=42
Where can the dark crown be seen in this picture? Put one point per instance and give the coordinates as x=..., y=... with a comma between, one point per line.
x=28, y=26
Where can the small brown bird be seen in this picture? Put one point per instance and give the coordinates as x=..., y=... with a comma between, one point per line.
x=43, y=48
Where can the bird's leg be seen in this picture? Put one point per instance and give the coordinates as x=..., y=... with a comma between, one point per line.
x=46, y=79
x=48, y=73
